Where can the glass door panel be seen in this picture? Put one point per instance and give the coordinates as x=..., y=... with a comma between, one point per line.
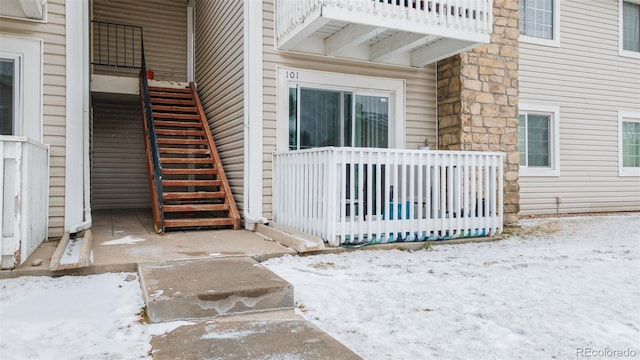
x=371, y=121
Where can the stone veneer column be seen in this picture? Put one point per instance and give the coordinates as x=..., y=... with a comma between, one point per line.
x=478, y=100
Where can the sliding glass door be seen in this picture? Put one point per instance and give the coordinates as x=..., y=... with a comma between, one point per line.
x=326, y=117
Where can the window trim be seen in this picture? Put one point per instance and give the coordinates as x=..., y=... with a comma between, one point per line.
x=626, y=116
x=621, y=50
x=555, y=42
x=30, y=52
x=554, y=141
x=17, y=91
x=288, y=77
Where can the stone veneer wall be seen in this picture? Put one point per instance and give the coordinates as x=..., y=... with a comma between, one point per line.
x=478, y=100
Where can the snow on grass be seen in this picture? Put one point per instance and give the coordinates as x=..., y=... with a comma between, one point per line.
x=88, y=317
x=559, y=286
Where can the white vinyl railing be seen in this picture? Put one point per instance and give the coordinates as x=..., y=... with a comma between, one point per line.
x=366, y=196
x=452, y=15
x=24, y=198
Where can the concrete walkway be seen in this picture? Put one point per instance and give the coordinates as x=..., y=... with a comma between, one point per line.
x=238, y=308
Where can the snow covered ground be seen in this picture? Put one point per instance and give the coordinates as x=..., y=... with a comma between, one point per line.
x=560, y=289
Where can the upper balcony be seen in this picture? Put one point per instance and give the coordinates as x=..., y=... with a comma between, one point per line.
x=400, y=32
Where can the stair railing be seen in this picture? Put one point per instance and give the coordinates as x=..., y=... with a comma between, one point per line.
x=155, y=168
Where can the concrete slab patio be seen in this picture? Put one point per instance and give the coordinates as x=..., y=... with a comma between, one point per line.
x=122, y=239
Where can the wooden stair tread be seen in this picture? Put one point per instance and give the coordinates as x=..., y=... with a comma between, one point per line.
x=181, y=141
x=165, y=150
x=195, y=207
x=191, y=182
x=179, y=132
x=169, y=160
x=168, y=89
x=175, y=116
x=193, y=195
x=170, y=223
x=187, y=124
x=186, y=171
x=168, y=108
x=169, y=101
x=167, y=94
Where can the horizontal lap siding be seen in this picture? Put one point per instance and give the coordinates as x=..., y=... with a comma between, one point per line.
x=220, y=78
x=590, y=82
x=119, y=177
x=53, y=35
x=164, y=24
x=420, y=94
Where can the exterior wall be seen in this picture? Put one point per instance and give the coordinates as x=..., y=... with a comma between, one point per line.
x=590, y=83
x=53, y=35
x=164, y=25
x=219, y=72
x=119, y=178
x=478, y=99
x=420, y=94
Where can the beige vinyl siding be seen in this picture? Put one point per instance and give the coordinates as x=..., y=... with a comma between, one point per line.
x=54, y=119
x=164, y=24
x=119, y=177
x=219, y=73
x=420, y=94
x=590, y=83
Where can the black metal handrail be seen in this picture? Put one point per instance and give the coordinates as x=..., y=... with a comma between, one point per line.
x=117, y=45
x=151, y=133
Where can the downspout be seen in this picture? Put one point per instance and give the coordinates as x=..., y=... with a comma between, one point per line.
x=86, y=165
x=252, y=200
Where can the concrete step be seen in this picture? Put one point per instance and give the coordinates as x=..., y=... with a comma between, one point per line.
x=211, y=288
x=298, y=241
x=254, y=339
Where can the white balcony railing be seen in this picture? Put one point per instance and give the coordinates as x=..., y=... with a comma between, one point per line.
x=24, y=197
x=366, y=196
x=409, y=25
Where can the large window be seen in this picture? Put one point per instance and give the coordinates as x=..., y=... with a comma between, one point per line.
x=9, y=105
x=538, y=140
x=630, y=28
x=629, y=143
x=539, y=21
x=319, y=117
x=329, y=109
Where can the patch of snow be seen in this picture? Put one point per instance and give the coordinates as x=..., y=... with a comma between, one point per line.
x=80, y=317
x=167, y=327
x=227, y=335
x=564, y=285
x=127, y=240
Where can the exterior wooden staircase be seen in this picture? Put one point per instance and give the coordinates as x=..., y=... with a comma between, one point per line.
x=194, y=191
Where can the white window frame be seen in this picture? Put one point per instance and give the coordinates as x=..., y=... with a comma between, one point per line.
x=621, y=50
x=554, y=139
x=626, y=116
x=555, y=42
x=29, y=52
x=289, y=77
x=17, y=91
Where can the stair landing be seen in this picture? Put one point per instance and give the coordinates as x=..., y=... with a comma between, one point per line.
x=211, y=288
